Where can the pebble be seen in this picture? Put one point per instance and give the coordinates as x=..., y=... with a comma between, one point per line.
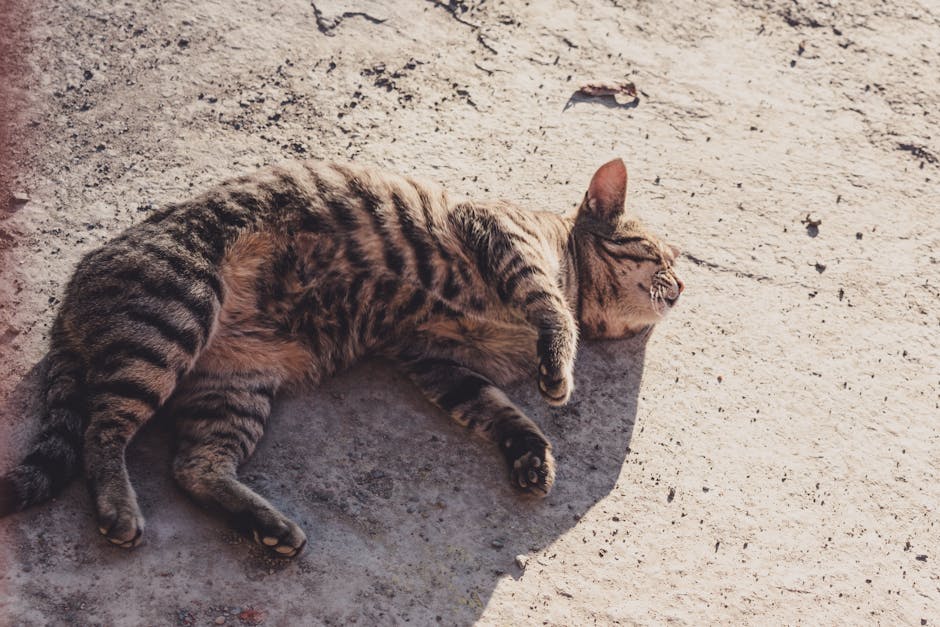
x=522, y=561
x=220, y=620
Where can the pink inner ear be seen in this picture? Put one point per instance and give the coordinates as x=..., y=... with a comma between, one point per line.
x=608, y=189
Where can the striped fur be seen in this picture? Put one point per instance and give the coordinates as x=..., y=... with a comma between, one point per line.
x=280, y=278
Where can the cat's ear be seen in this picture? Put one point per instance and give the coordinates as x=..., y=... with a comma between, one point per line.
x=604, y=202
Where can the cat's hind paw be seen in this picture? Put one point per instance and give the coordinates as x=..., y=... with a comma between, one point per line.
x=275, y=532
x=120, y=522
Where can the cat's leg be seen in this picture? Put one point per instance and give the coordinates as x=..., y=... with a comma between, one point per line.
x=530, y=290
x=127, y=385
x=557, y=344
x=220, y=420
x=482, y=407
x=515, y=264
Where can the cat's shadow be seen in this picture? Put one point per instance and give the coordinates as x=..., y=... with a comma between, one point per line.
x=408, y=518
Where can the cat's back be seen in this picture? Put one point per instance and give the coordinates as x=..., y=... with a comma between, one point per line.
x=339, y=223
x=300, y=197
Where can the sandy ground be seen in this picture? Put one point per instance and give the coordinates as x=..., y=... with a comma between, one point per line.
x=770, y=456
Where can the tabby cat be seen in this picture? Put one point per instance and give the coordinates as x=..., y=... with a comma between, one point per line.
x=277, y=279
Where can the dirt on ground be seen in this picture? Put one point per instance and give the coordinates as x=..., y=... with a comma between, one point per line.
x=770, y=455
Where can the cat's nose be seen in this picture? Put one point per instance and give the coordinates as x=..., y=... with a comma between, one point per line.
x=675, y=290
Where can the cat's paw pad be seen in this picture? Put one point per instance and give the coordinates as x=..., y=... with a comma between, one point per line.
x=278, y=534
x=555, y=384
x=533, y=472
x=121, y=523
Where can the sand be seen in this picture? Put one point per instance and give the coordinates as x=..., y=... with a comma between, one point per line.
x=770, y=455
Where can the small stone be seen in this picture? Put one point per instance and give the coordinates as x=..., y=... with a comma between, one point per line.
x=20, y=198
x=820, y=267
x=921, y=558
x=220, y=620
x=522, y=561
x=497, y=544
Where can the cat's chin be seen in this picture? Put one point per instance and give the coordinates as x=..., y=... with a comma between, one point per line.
x=658, y=312
x=637, y=329
x=641, y=330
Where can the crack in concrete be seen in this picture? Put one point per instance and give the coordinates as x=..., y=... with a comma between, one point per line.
x=327, y=27
x=711, y=265
x=452, y=7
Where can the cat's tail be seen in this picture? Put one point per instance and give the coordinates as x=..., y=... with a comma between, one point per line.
x=55, y=456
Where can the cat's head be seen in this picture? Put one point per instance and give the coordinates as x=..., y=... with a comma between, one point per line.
x=626, y=275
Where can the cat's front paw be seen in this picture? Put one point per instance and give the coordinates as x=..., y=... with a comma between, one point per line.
x=531, y=466
x=555, y=383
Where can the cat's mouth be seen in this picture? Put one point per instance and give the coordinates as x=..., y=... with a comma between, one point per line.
x=665, y=290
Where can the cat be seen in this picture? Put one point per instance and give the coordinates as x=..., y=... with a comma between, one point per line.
x=210, y=307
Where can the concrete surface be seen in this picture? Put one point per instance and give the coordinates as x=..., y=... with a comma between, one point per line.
x=769, y=456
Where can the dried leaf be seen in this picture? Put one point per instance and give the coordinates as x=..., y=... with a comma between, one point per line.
x=608, y=88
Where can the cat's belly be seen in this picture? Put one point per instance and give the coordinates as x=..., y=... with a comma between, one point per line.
x=271, y=321
x=502, y=350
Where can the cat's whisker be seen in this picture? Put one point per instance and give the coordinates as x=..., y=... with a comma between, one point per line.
x=658, y=299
